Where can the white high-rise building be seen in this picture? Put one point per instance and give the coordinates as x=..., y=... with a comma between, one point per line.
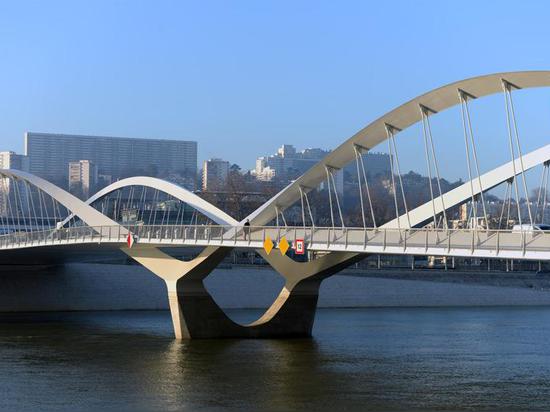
x=214, y=174
x=266, y=175
x=288, y=164
x=117, y=157
x=83, y=178
x=11, y=160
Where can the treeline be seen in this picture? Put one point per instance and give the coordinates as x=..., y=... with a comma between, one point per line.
x=242, y=194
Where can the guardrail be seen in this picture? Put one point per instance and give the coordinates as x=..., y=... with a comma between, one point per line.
x=426, y=241
x=83, y=234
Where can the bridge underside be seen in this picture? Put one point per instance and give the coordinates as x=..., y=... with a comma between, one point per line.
x=196, y=315
x=79, y=253
x=59, y=254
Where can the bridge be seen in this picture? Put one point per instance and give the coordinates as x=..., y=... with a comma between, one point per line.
x=144, y=216
x=502, y=244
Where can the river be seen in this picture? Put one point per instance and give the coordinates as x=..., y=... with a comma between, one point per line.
x=359, y=359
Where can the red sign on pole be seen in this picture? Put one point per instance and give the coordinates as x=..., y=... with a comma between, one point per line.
x=130, y=240
x=300, y=247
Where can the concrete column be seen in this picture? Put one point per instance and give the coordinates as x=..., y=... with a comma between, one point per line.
x=178, y=320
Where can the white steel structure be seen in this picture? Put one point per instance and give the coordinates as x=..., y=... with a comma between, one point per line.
x=141, y=215
x=227, y=232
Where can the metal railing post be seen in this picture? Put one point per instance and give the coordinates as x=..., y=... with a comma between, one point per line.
x=346, y=237
x=426, y=248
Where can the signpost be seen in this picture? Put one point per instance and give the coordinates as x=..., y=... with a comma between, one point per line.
x=299, y=247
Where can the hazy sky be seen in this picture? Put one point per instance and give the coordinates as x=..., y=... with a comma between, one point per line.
x=243, y=77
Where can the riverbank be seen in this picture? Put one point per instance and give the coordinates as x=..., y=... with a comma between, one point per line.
x=130, y=287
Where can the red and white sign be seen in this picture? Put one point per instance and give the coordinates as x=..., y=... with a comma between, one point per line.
x=130, y=240
x=299, y=246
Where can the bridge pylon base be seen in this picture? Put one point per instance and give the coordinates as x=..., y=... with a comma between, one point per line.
x=195, y=314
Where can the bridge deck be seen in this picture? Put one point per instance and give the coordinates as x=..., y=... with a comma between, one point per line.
x=439, y=242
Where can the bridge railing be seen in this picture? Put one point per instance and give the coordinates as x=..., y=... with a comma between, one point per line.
x=80, y=234
x=368, y=240
x=422, y=240
x=382, y=240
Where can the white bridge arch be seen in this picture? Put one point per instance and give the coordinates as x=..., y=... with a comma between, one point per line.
x=397, y=120
x=202, y=206
x=87, y=214
x=292, y=312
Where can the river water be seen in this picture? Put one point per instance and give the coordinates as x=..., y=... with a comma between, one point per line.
x=359, y=359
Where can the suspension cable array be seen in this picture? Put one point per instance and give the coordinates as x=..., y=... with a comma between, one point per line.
x=359, y=161
x=132, y=205
x=470, y=145
x=544, y=199
x=303, y=209
x=506, y=203
x=331, y=185
x=428, y=143
x=303, y=196
x=513, y=134
x=283, y=217
x=26, y=208
x=329, y=196
x=542, y=194
x=394, y=168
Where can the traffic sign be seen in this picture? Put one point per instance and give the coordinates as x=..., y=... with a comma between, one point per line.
x=130, y=240
x=300, y=247
x=283, y=246
x=268, y=245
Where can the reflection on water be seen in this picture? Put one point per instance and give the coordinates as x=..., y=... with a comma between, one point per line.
x=364, y=359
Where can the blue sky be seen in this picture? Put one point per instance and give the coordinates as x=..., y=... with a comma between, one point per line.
x=243, y=77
